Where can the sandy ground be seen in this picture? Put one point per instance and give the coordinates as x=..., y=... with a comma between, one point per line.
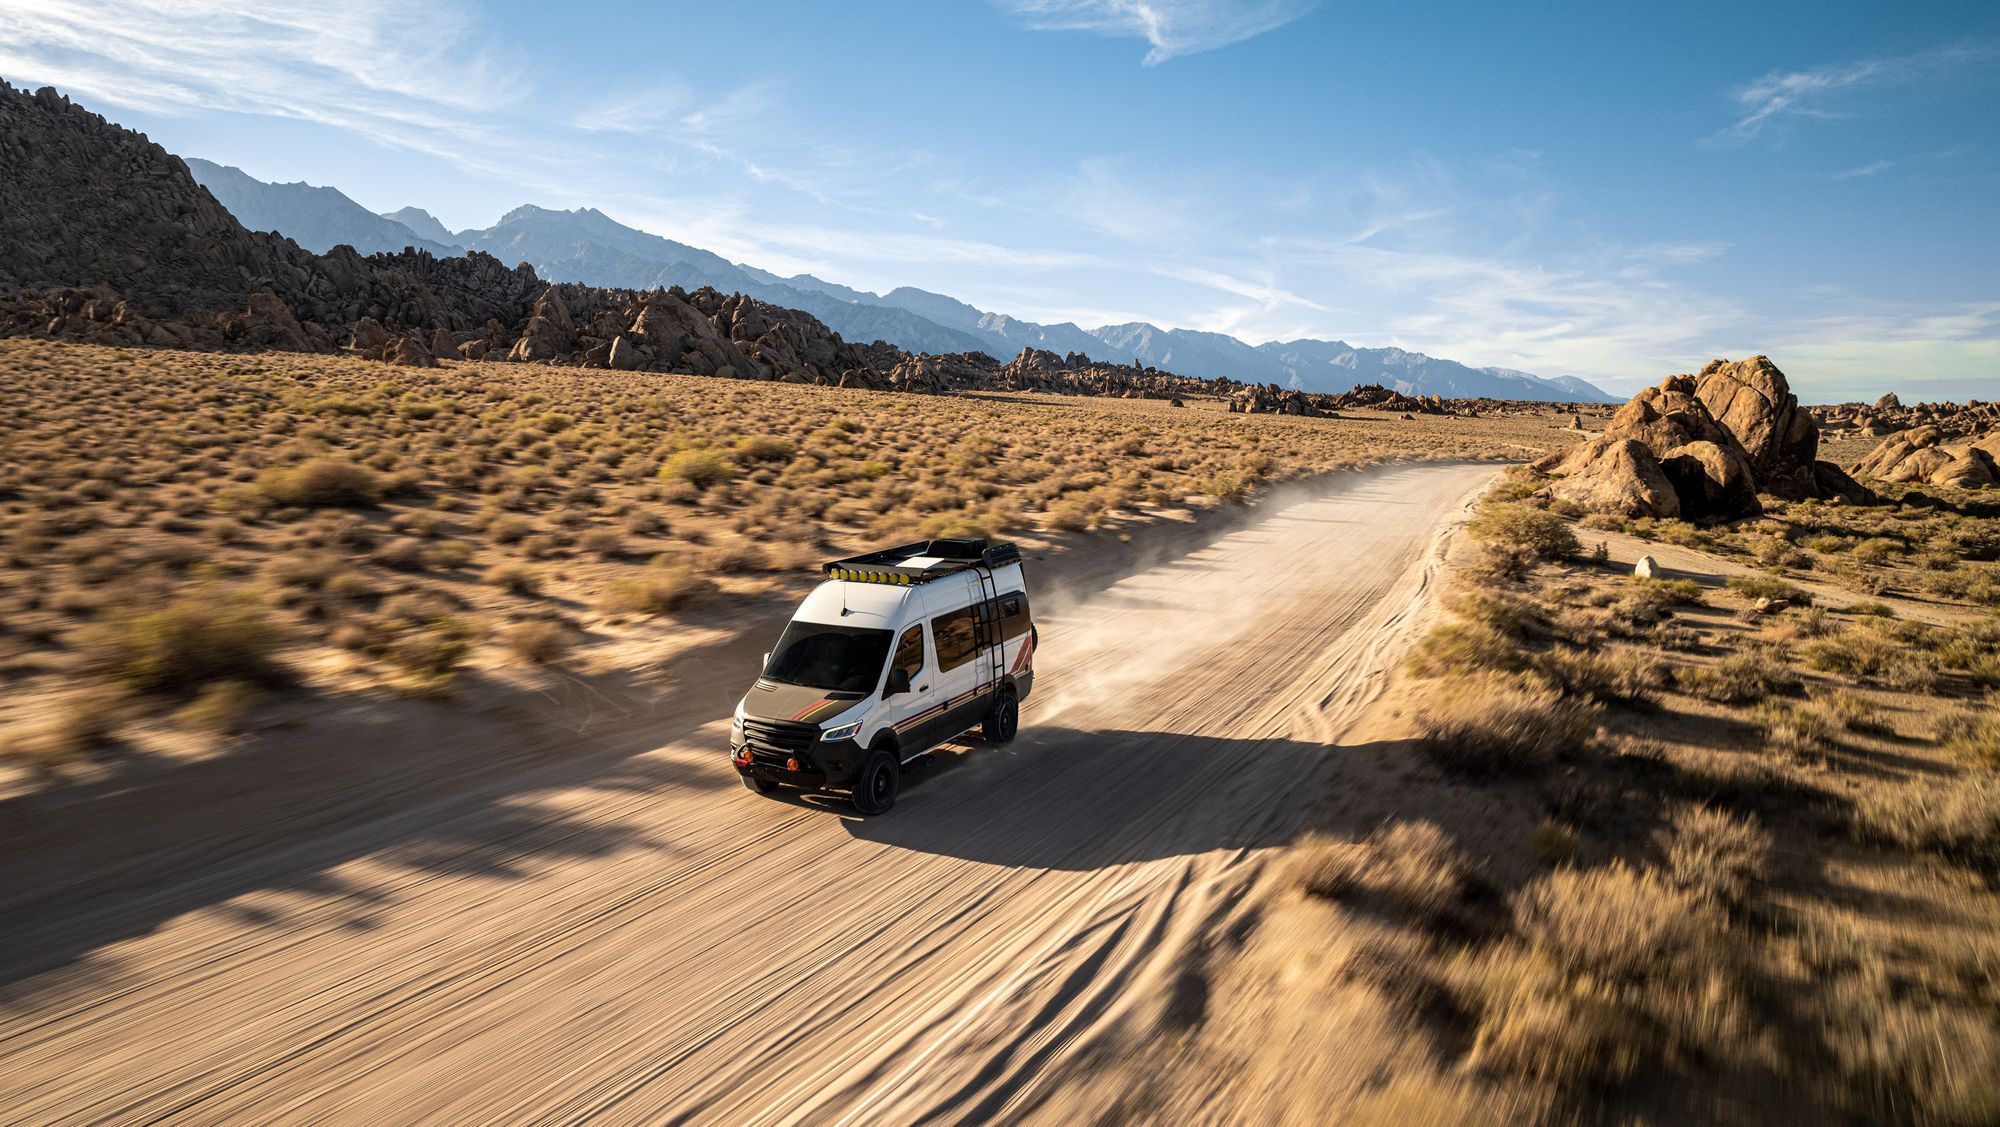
x=586, y=917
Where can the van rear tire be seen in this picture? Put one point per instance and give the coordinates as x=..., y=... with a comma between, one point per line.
x=1004, y=721
x=875, y=788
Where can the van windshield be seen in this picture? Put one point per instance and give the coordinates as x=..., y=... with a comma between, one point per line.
x=838, y=659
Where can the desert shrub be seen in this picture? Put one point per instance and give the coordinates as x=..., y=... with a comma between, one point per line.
x=509, y=528
x=1618, y=924
x=405, y=553
x=1736, y=679
x=1714, y=854
x=220, y=708
x=764, y=448
x=1513, y=525
x=80, y=723
x=321, y=483
x=1495, y=725
x=1226, y=486
x=1875, y=550
x=1623, y=676
x=1615, y=970
x=1791, y=730
x=197, y=638
x=698, y=468
x=1955, y=817
x=1769, y=587
x=1848, y=710
x=433, y=650
x=661, y=587
x=1408, y=871
x=1465, y=647
x=1973, y=735
x=1515, y=617
x=1872, y=653
x=1668, y=592
x=605, y=543
x=1911, y=1060
x=539, y=642
x=515, y=579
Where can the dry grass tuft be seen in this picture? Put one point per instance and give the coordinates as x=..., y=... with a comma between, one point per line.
x=1409, y=871
x=1495, y=725
x=199, y=638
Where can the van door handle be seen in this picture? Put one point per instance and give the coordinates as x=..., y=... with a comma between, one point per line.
x=923, y=688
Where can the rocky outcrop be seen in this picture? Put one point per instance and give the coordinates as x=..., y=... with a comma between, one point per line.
x=1612, y=474
x=1709, y=442
x=1888, y=415
x=1272, y=399
x=1667, y=417
x=1712, y=481
x=1752, y=402
x=1922, y=456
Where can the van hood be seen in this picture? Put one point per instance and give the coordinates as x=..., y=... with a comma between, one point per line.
x=775, y=700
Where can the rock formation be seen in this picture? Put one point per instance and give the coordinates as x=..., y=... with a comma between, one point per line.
x=1923, y=456
x=1702, y=447
x=1888, y=415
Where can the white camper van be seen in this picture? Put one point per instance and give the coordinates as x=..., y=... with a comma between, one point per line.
x=894, y=653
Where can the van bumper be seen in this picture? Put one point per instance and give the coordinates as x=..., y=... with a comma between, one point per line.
x=826, y=766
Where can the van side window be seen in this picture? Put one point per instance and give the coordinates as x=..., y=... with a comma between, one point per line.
x=1014, y=618
x=955, y=637
x=910, y=653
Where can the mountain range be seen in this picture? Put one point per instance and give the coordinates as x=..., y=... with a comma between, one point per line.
x=589, y=247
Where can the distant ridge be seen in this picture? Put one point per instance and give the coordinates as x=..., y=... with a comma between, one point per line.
x=589, y=247
x=424, y=224
x=317, y=219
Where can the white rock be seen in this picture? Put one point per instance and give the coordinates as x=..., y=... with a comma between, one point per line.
x=1646, y=568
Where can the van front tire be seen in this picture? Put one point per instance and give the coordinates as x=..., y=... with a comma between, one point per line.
x=875, y=788
x=1005, y=719
x=761, y=786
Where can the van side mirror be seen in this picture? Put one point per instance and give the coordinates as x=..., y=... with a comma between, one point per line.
x=899, y=683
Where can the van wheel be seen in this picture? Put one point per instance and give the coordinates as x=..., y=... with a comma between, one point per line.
x=1005, y=719
x=761, y=786
x=875, y=790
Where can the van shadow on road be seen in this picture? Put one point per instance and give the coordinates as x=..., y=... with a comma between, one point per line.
x=1073, y=799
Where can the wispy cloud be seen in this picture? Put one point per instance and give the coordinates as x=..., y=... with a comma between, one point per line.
x=1873, y=169
x=1171, y=28
x=1827, y=91
x=417, y=79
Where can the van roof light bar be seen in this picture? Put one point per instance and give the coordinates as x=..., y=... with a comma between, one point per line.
x=949, y=555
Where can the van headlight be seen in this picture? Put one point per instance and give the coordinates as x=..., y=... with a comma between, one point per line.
x=736, y=729
x=840, y=732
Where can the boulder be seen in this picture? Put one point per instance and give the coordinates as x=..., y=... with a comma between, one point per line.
x=1646, y=568
x=411, y=352
x=1752, y=401
x=1921, y=456
x=624, y=355
x=1609, y=474
x=551, y=333
x=1666, y=417
x=1833, y=484
x=1712, y=481
x=265, y=322
x=1969, y=468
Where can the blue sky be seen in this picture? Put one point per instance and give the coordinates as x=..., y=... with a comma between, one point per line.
x=1614, y=191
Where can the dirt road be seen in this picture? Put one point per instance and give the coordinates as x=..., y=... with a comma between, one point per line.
x=628, y=935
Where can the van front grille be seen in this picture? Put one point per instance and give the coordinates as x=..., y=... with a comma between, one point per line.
x=779, y=735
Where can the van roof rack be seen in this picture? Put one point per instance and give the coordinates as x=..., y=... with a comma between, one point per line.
x=947, y=556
